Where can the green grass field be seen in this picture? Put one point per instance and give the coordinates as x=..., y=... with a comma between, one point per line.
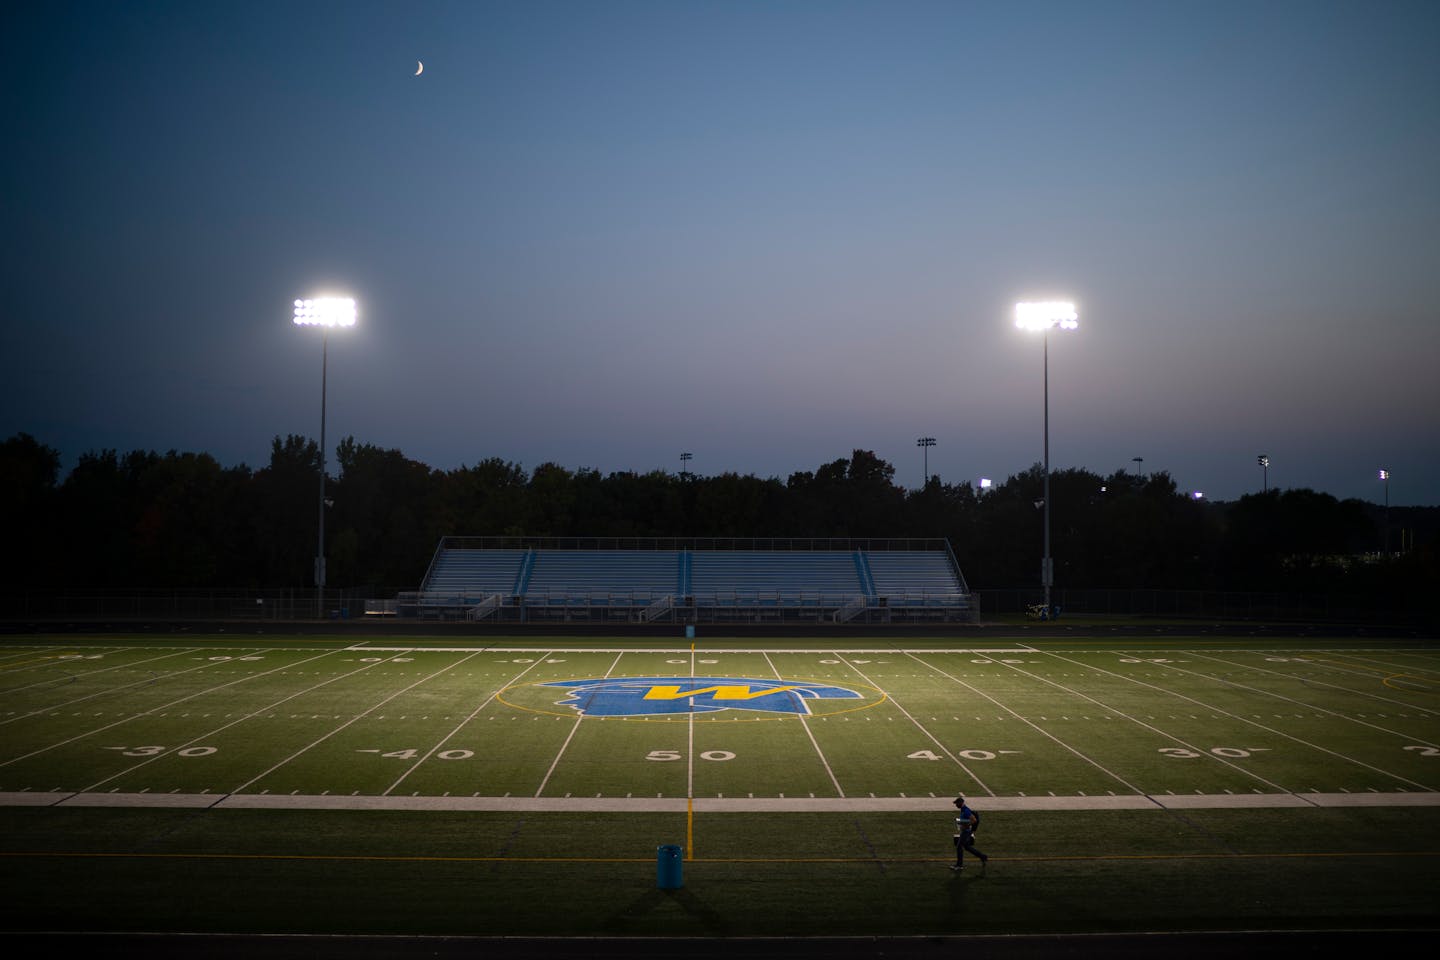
x=454, y=786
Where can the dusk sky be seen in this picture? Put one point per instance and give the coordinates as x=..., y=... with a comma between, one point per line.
x=768, y=233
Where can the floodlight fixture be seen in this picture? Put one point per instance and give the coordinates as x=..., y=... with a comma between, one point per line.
x=1046, y=315
x=325, y=312
x=1197, y=495
x=985, y=484
x=1264, y=462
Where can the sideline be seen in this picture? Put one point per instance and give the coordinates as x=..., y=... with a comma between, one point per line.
x=270, y=801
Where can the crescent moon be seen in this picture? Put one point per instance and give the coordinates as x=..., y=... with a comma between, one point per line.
x=419, y=67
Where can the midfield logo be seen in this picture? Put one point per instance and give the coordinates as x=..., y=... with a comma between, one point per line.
x=647, y=696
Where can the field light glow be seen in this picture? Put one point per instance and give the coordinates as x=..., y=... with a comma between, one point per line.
x=325, y=312
x=1043, y=316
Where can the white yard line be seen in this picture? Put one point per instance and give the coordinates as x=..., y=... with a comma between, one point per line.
x=690, y=743
x=166, y=706
x=573, y=730
x=1325, y=660
x=446, y=739
x=355, y=719
x=918, y=725
x=17, y=652
x=1038, y=729
x=1233, y=716
x=48, y=657
x=1302, y=703
x=804, y=725
x=194, y=741
x=1382, y=664
x=102, y=693
x=1141, y=723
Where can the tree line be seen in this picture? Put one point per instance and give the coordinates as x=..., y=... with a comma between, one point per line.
x=182, y=520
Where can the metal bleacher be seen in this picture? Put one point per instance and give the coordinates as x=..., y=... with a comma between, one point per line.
x=691, y=581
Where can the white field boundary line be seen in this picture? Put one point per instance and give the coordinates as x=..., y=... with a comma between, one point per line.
x=676, y=651
x=920, y=726
x=1235, y=716
x=1017, y=647
x=166, y=706
x=100, y=693
x=571, y=805
x=196, y=740
x=353, y=720
x=805, y=725
x=1141, y=723
x=1136, y=791
x=579, y=718
x=1309, y=706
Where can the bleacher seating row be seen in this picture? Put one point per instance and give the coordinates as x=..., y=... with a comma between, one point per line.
x=528, y=582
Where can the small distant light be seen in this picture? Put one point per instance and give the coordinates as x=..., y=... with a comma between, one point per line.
x=984, y=483
x=1384, y=474
x=1104, y=488
x=1197, y=495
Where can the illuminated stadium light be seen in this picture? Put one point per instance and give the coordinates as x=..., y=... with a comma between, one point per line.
x=1197, y=495
x=1046, y=315
x=325, y=312
x=1042, y=317
x=985, y=484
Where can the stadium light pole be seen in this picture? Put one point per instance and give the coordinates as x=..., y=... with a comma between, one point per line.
x=1385, y=476
x=925, y=443
x=323, y=312
x=1042, y=318
x=684, y=459
x=1264, y=462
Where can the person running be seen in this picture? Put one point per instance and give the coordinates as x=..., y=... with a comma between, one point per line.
x=965, y=826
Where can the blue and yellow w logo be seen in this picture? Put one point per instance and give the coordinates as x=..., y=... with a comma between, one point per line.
x=647, y=696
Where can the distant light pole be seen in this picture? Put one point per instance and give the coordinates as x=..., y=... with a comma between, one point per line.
x=323, y=312
x=1385, y=476
x=1041, y=317
x=684, y=459
x=1139, y=466
x=925, y=443
x=1264, y=462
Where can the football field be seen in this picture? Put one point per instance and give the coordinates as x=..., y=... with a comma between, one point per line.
x=131, y=760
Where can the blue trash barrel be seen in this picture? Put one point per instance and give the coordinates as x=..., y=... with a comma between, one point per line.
x=689, y=631
x=668, y=873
